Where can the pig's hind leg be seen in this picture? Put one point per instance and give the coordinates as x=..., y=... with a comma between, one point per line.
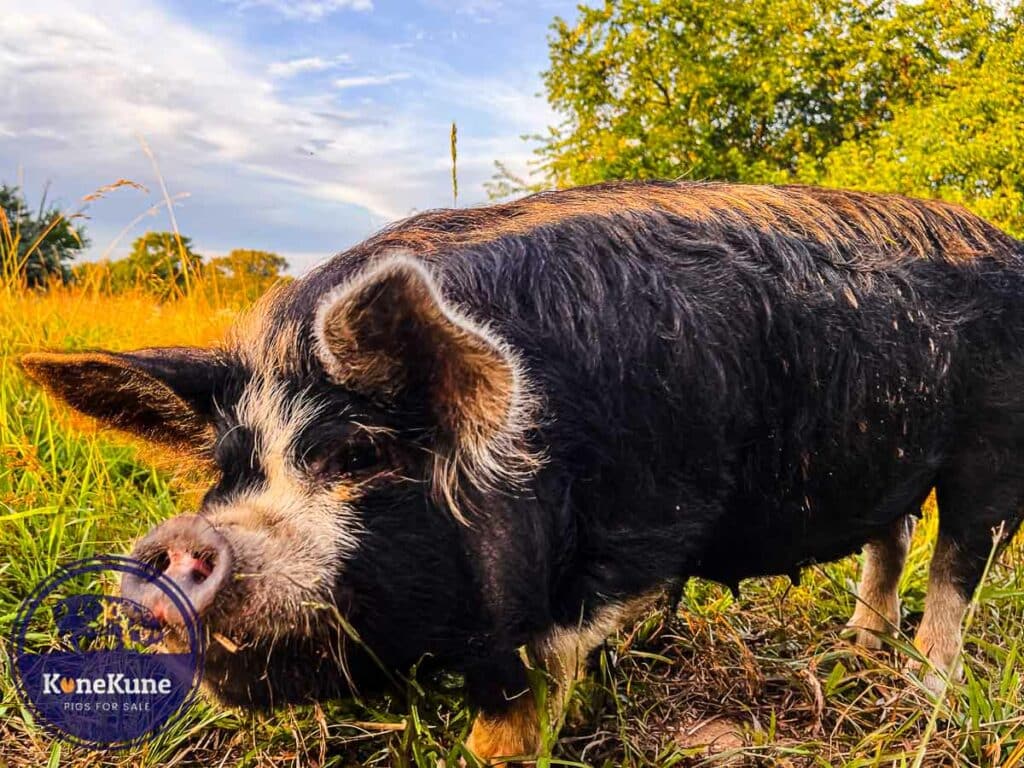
x=877, y=612
x=981, y=495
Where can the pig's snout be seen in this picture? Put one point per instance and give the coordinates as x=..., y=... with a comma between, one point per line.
x=191, y=553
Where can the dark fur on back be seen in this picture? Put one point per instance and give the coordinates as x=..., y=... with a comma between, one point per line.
x=734, y=380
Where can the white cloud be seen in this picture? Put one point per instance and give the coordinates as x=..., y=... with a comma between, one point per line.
x=368, y=80
x=96, y=85
x=517, y=107
x=306, y=10
x=293, y=67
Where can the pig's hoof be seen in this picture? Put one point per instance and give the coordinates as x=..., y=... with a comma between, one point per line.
x=931, y=679
x=871, y=627
x=870, y=635
x=494, y=740
x=865, y=638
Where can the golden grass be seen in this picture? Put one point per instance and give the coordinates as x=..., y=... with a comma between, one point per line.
x=73, y=317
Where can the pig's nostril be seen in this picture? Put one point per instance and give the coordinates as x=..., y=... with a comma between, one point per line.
x=197, y=564
x=203, y=564
x=161, y=561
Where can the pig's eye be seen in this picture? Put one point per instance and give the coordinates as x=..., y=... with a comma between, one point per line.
x=354, y=458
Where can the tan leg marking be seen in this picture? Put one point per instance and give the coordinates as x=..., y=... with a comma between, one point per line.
x=878, y=602
x=516, y=733
x=563, y=654
x=939, y=637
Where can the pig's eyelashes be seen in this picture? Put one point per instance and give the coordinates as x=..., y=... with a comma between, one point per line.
x=344, y=460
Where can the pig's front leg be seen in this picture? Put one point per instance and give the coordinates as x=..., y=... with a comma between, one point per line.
x=507, y=724
x=513, y=735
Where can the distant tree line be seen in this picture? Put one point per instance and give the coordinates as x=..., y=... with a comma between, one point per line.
x=166, y=264
x=37, y=246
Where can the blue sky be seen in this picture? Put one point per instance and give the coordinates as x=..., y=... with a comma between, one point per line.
x=299, y=126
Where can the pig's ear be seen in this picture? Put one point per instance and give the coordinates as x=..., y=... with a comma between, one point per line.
x=165, y=395
x=391, y=335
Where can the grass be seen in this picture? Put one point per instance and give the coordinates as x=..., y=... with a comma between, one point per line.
x=767, y=677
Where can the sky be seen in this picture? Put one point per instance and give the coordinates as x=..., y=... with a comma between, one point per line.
x=296, y=126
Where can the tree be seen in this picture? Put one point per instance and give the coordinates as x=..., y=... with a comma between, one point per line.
x=964, y=144
x=162, y=262
x=750, y=90
x=36, y=246
x=248, y=272
x=244, y=263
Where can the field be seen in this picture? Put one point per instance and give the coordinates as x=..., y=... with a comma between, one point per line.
x=767, y=678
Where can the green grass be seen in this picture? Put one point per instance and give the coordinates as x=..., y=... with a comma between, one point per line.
x=768, y=675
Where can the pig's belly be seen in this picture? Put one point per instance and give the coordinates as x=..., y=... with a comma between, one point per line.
x=780, y=539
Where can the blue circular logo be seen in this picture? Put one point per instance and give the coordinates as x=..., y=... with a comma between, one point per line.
x=100, y=670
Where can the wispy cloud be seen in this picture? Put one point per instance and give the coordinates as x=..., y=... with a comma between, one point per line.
x=293, y=67
x=211, y=117
x=482, y=11
x=305, y=10
x=364, y=81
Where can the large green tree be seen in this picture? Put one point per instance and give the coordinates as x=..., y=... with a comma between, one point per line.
x=965, y=143
x=917, y=97
x=36, y=245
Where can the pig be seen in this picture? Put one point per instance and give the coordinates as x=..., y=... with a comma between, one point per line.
x=509, y=426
